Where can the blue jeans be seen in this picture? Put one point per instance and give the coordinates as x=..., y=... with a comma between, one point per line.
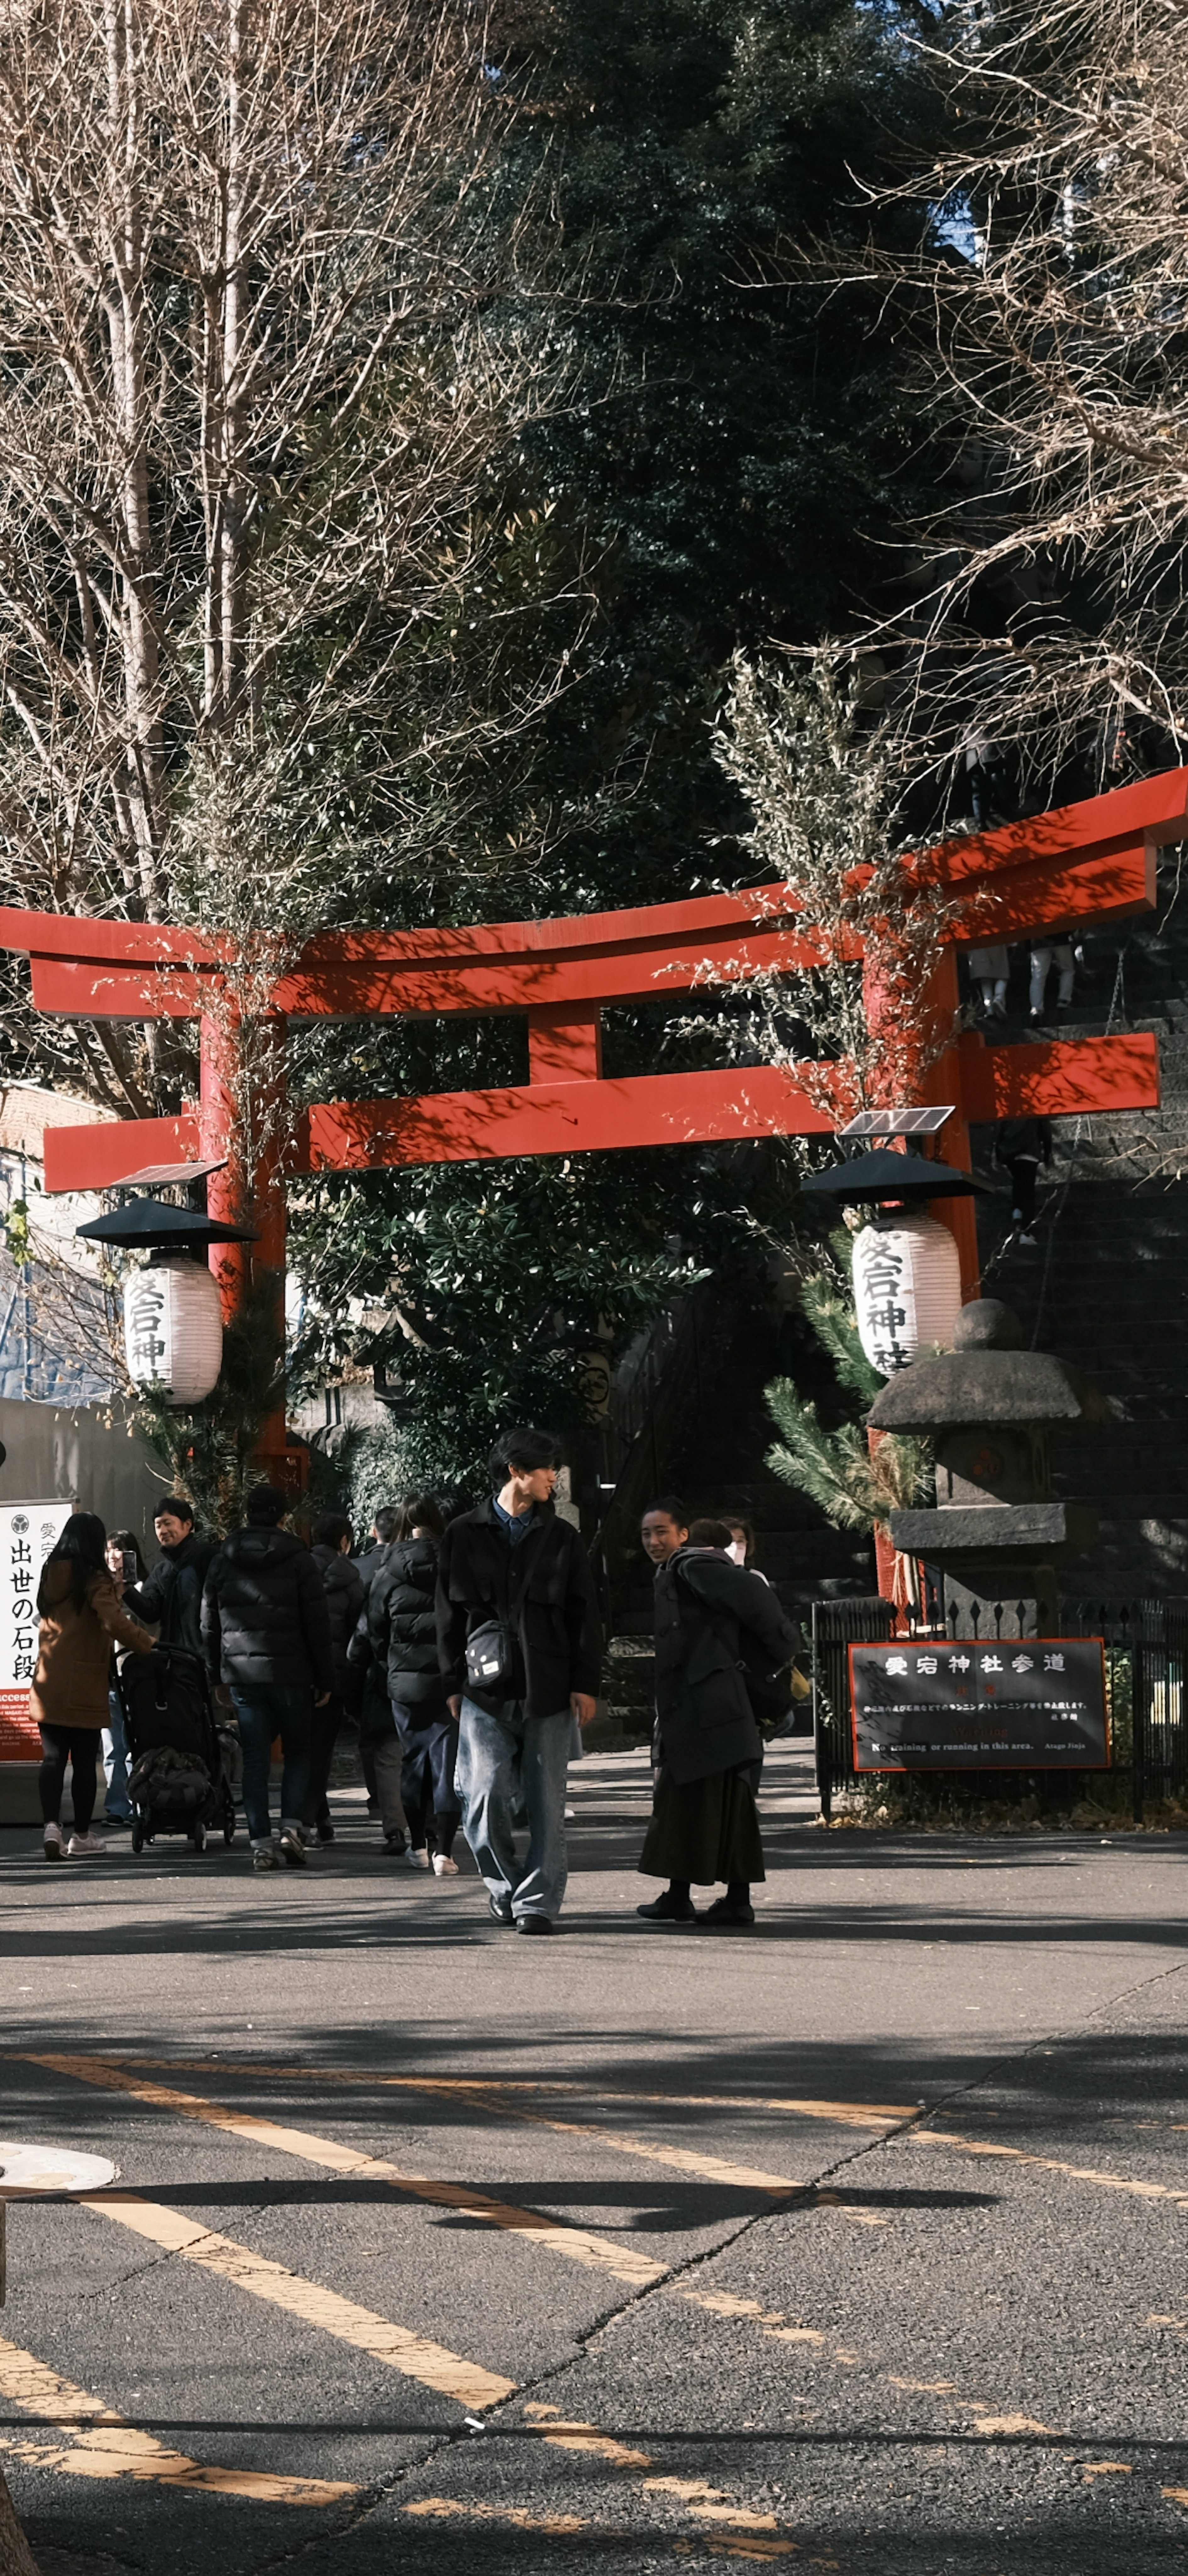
x=504, y=1762
x=265, y=1711
x=115, y=1761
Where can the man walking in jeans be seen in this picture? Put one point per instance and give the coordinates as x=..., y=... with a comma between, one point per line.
x=266, y=1632
x=520, y=1647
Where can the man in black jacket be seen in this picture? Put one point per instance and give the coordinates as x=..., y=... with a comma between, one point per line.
x=171, y=1598
x=266, y=1632
x=520, y=1646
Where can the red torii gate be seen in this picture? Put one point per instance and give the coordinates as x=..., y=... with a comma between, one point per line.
x=1095, y=859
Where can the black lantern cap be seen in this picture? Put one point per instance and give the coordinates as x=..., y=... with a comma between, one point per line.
x=886, y=1175
x=149, y=1225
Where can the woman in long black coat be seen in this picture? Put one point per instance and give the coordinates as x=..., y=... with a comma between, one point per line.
x=710, y=1615
x=402, y=1626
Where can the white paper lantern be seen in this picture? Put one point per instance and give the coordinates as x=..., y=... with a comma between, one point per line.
x=907, y=1289
x=173, y=1329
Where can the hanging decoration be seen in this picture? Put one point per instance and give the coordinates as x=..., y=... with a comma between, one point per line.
x=907, y=1289
x=173, y=1329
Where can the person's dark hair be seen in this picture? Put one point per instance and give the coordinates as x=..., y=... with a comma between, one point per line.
x=525, y=1448
x=419, y=1511
x=81, y=1547
x=736, y=1522
x=331, y=1530
x=672, y=1508
x=179, y=1504
x=709, y=1534
x=129, y=1544
x=384, y=1523
x=266, y=1506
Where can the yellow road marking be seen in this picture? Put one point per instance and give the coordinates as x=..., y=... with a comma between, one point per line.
x=596, y=2253
x=446, y=2509
x=770, y=2324
x=1108, y=2469
x=585, y=2437
x=708, y=2504
x=105, y=2445
x=1179, y=2495
x=412, y=2354
x=855, y=2115
x=683, y=2159
x=723, y=2303
x=1047, y=2164
x=1007, y=2423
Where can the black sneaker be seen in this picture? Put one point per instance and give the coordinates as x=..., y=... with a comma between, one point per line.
x=725, y=1917
x=325, y=1830
x=533, y=1923
x=670, y=1909
x=396, y=1842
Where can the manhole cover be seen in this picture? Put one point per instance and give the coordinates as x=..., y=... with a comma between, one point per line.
x=25, y=2168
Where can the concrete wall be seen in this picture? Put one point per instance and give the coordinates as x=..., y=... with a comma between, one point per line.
x=86, y=1453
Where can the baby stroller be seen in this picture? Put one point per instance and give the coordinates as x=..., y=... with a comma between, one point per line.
x=180, y=1781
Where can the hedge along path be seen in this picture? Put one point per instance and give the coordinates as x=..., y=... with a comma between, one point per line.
x=105, y=2445
x=595, y=2253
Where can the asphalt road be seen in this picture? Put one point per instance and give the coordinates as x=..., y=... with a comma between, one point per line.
x=856, y=2242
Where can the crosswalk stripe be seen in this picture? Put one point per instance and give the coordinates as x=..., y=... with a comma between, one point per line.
x=596, y=2253
x=413, y=2354
x=104, y=2445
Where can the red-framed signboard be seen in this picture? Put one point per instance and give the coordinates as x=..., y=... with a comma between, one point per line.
x=980, y=1704
x=27, y=1533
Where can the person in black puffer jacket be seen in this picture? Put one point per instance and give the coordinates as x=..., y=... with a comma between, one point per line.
x=333, y=1540
x=266, y=1632
x=402, y=1629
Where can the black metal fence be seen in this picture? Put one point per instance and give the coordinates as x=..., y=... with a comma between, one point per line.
x=1146, y=1657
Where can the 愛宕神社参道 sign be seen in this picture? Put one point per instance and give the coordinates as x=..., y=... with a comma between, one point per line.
x=27, y=1533
x=980, y=1704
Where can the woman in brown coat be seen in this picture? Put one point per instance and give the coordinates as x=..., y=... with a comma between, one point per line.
x=81, y=1618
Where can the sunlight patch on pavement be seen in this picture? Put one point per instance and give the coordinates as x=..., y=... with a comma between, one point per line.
x=104, y=2445
x=577, y=2244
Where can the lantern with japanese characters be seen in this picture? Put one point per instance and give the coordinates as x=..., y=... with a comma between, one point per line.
x=907, y=1288
x=173, y=1330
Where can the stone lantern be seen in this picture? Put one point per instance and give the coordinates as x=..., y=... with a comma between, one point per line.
x=996, y=1535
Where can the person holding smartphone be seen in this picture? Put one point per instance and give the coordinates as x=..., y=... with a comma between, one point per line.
x=126, y=1566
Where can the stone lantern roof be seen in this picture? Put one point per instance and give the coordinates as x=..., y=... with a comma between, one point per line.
x=987, y=1378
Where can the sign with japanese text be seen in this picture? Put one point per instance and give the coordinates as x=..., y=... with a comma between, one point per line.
x=27, y=1533
x=980, y=1704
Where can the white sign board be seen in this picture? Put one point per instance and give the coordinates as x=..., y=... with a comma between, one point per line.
x=27, y=1533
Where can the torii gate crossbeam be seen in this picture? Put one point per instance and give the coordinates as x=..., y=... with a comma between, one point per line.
x=1091, y=860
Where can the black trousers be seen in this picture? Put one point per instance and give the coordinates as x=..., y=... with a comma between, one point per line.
x=323, y=1737
x=429, y=1742
x=78, y=1745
